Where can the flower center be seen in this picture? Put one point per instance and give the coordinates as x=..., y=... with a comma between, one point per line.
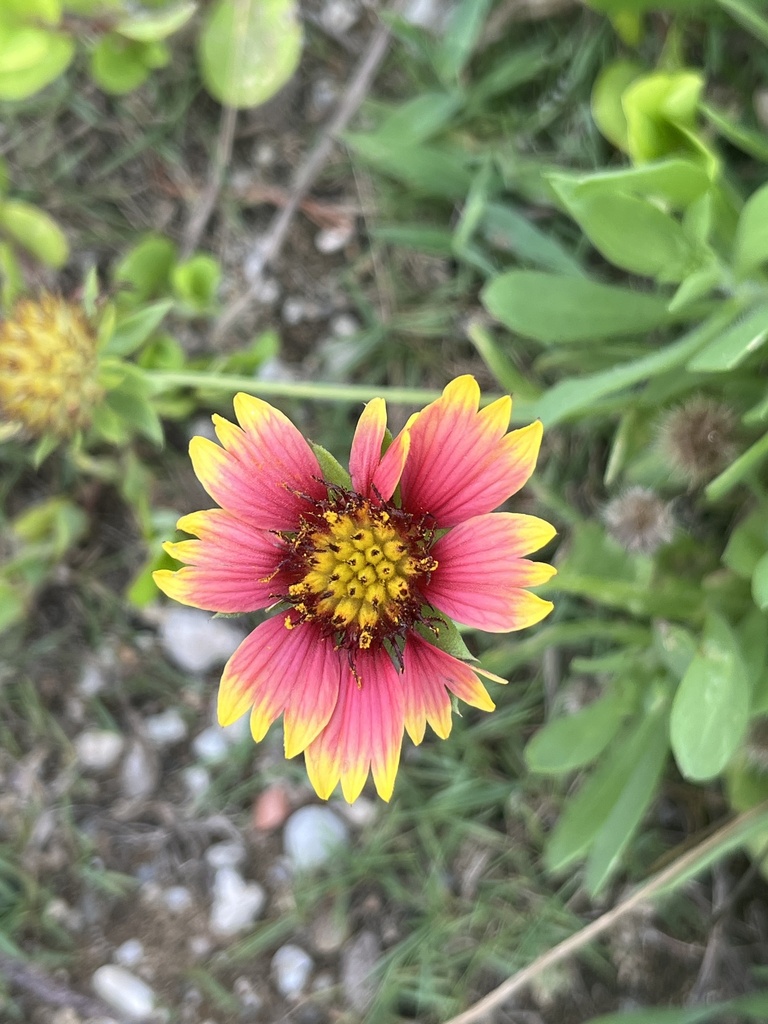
x=359, y=566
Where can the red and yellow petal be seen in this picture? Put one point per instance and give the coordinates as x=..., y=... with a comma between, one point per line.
x=374, y=475
x=232, y=566
x=364, y=734
x=277, y=669
x=480, y=577
x=462, y=463
x=265, y=470
x=428, y=675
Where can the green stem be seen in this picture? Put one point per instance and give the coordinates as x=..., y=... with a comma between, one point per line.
x=743, y=467
x=166, y=380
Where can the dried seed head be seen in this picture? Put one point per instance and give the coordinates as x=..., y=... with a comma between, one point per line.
x=697, y=438
x=640, y=520
x=756, y=746
x=48, y=367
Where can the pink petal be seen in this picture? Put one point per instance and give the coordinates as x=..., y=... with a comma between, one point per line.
x=364, y=733
x=266, y=473
x=427, y=677
x=462, y=463
x=231, y=568
x=479, y=576
x=374, y=475
x=277, y=669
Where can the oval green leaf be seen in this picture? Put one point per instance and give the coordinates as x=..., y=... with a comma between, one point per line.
x=711, y=706
x=249, y=49
x=35, y=231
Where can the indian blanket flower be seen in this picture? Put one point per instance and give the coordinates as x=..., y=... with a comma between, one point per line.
x=361, y=575
x=48, y=367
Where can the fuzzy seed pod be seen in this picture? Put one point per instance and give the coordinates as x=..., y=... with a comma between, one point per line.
x=696, y=438
x=640, y=520
x=48, y=367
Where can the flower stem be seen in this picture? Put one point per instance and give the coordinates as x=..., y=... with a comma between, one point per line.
x=166, y=380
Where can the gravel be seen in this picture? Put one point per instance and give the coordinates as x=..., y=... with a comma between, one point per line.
x=124, y=992
x=312, y=836
x=291, y=969
x=195, y=641
x=236, y=903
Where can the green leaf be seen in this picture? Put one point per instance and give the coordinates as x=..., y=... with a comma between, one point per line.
x=196, y=282
x=673, y=181
x=750, y=249
x=147, y=266
x=748, y=140
x=53, y=59
x=760, y=583
x=559, y=308
x=607, y=109
x=629, y=809
x=331, y=468
x=444, y=634
x=455, y=48
x=676, y=646
x=13, y=607
x=248, y=49
x=711, y=707
x=150, y=26
x=418, y=120
x=696, y=286
x=734, y=345
x=132, y=331
x=741, y=469
x=428, y=169
x=746, y=544
x=576, y=740
x=748, y=16
x=119, y=65
x=636, y=235
x=586, y=813
x=508, y=230
x=35, y=231
x=577, y=396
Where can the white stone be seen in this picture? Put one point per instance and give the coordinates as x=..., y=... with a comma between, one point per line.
x=196, y=641
x=129, y=953
x=344, y=326
x=294, y=311
x=210, y=745
x=138, y=774
x=177, y=898
x=291, y=969
x=225, y=855
x=236, y=903
x=98, y=750
x=334, y=239
x=166, y=728
x=431, y=15
x=338, y=16
x=362, y=813
x=312, y=835
x=123, y=991
x=197, y=781
x=323, y=95
x=358, y=971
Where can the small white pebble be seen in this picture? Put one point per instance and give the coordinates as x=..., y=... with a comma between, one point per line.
x=166, y=728
x=236, y=903
x=312, y=835
x=123, y=991
x=98, y=750
x=331, y=240
x=225, y=855
x=294, y=311
x=344, y=325
x=197, y=642
x=291, y=969
x=210, y=745
x=197, y=781
x=129, y=953
x=338, y=16
x=177, y=898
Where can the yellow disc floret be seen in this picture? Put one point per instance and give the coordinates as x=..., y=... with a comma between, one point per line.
x=361, y=565
x=48, y=367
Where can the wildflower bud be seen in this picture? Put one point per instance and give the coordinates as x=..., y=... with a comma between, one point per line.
x=640, y=520
x=697, y=438
x=756, y=746
x=48, y=367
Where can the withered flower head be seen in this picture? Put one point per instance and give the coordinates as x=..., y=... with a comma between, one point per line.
x=48, y=367
x=697, y=438
x=640, y=520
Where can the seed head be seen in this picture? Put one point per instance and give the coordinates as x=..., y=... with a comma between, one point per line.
x=640, y=520
x=48, y=367
x=697, y=438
